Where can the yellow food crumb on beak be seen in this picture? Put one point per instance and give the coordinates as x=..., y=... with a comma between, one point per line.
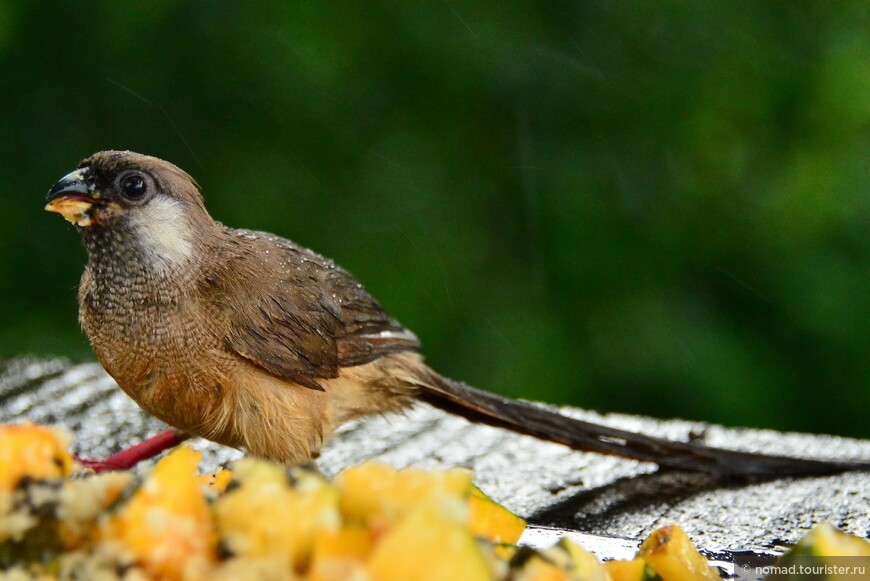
x=74, y=210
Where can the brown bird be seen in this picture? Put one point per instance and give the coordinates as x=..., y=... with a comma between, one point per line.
x=255, y=342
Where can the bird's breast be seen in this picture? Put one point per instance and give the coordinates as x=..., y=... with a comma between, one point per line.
x=141, y=333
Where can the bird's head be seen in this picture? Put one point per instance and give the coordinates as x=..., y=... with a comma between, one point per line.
x=126, y=200
x=112, y=186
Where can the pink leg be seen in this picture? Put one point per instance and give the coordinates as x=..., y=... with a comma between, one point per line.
x=129, y=457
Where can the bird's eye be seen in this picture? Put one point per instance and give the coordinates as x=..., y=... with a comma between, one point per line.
x=134, y=187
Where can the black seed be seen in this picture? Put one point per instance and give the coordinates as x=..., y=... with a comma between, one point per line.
x=223, y=551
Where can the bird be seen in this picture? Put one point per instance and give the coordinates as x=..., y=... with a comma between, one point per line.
x=256, y=342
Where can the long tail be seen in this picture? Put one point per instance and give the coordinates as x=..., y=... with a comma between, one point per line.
x=526, y=418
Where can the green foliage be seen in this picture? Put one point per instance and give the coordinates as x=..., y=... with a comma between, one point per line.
x=653, y=207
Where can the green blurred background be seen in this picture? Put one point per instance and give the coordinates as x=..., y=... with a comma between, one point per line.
x=649, y=207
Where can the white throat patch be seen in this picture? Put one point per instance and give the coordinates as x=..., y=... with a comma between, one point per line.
x=162, y=232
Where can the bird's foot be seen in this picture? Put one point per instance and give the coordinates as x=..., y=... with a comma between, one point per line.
x=129, y=457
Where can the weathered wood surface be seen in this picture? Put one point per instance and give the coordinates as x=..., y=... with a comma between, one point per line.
x=547, y=483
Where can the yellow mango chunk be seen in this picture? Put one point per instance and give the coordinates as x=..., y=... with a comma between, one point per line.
x=829, y=550
x=379, y=495
x=563, y=561
x=634, y=570
x=492, y=521
x=341, y=554
x=580, y=563
x=217, y=480
x=275, y=514
x=166, y=525
x=826, y=541
x=432, y=543
x=27, y=450
x=538, y=568
x=670, y=553
x=249, y=570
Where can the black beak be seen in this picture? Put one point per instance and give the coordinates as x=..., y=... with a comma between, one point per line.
x=72, y=184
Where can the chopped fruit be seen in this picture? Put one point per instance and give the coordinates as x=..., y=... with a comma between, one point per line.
x=380, y=495
x=563, y=561
x=275, y=513
x=670, y=553
x=580, y=564
x=218, y=480
x=826, y=541
x=491, y=520
x=634, y=570
x=264, y=521
x=431, y=543
x=73, y=210
x=166, y=525
x=83, y=500
x=531, y=565
x=830, y=552
x=341, y=554
x=31, y=451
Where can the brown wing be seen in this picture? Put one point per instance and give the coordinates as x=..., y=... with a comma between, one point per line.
x=307, y=322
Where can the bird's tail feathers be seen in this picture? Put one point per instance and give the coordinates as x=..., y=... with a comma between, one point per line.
x=540, y=422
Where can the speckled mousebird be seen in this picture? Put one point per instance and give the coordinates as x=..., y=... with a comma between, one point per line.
x=255, y=342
